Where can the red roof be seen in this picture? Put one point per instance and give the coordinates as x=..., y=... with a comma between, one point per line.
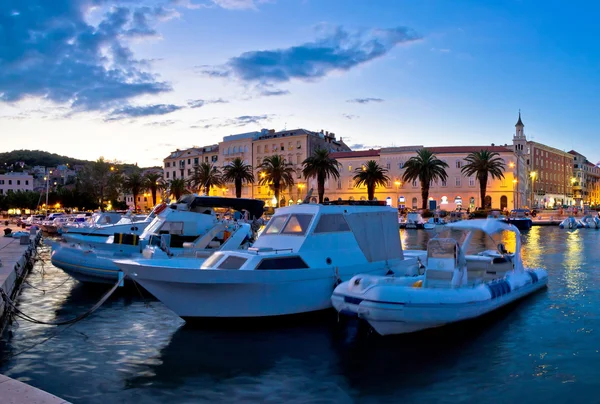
x=355, y=154
x=468, y=149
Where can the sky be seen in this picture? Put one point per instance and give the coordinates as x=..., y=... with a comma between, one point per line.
x=134, y=80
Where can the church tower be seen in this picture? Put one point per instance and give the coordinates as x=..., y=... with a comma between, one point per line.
x=519, y=140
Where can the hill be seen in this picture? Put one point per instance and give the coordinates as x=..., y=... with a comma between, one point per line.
x=37, y=158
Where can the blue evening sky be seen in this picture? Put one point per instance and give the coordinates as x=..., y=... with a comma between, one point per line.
x=133, y=80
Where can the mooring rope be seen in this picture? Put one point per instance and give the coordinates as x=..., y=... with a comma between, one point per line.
x=46, y=290
x=24, y=316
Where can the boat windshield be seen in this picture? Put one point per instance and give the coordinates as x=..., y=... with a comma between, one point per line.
x=153, y=227
x=275, y=224
x=296, y=224
x=442, y=248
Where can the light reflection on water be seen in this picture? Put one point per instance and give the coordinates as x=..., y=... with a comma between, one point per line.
x=545, y=349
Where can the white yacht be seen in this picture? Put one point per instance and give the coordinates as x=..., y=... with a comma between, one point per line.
x=454, y=287
x=103, y=224
x=189, y=228
x=414, y=220
x=292, y=268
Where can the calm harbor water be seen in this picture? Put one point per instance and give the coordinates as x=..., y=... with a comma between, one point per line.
x=544, y=349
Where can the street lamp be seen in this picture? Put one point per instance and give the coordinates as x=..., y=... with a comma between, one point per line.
x=532, y=174
x=47, y=178
x=300, y=188
x=397, y=183
x=515, y=195
x=573, y=179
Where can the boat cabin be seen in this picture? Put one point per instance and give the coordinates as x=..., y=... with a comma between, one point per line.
x=319, y=236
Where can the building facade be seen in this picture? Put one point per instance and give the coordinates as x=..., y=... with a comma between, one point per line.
x=585, y=180
x=180, y=163
x=545, y=173
x=237, y=146
x=15, y=181
x=295, y=146
x=457, y=192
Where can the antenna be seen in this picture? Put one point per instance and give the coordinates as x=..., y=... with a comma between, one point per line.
x=285, y=126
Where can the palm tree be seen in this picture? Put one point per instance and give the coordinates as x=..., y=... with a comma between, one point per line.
x=238, y=171
x=177, y=187
x=483, y=164
x=370, y=174
x=425, y=167
x=134, y=183
x=153, y=182
x=204, y=177
x=321, y=166
x=275, y=170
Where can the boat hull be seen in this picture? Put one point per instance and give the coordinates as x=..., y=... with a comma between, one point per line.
x=420, y=309
x=209, y=293
x=521, y=224
x=87, y=265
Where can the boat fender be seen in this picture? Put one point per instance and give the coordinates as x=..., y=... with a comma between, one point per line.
x=337, y=278
x=418, y=284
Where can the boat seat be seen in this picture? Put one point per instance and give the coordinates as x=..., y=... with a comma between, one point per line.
x=438, y=278
x=497, y=271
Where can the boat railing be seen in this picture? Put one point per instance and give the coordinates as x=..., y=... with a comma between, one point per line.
x=270, y=250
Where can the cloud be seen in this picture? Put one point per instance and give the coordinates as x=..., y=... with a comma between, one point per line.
x=56, y=54
x=274, y=92
x=200, y=103
x=130, y=111
x=350, y=116
x=335, y=50
x=365, y=100
x=234, y=122
x=239, y=4
x=362, y=146
x=168, y=122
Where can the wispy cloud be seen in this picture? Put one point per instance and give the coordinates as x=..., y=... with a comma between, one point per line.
x=350, y=116
x=200, y=103
x=365, y=100
x=168, y=122
x=362, y=146
x=130, y=111
x=335, y=50
x=239, y=4
x=273, y=92
x=441, y=50
x=238, y=121
x=56, y=54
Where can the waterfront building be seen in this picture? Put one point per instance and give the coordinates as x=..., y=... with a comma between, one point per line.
x=295, y=146
x=546, y=173
x=235, y=146
x=15, y=181
x=585, y=181
x=180, y=163
x=457, y=192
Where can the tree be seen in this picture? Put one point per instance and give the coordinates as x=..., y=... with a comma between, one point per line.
x=204, y=177
x=99, y=179
x=484, y=164
x=134, y=183
x=321, y=166
x=177, y=188
x=237, y=172
x=371, y=174
x=277, y=172
x=425, y=167
x=153, y=182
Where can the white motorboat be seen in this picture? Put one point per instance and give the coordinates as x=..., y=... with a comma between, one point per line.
x=454, y=287
x=292, y=268
x=47, y=224
x=104, y=224
x=414, y=220
x=188, y=228
x=590, y=222
x=570, y=223
x=434, y=223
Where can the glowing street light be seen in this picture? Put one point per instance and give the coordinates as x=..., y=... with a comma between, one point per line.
x=532, y=174
x=397, y=183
